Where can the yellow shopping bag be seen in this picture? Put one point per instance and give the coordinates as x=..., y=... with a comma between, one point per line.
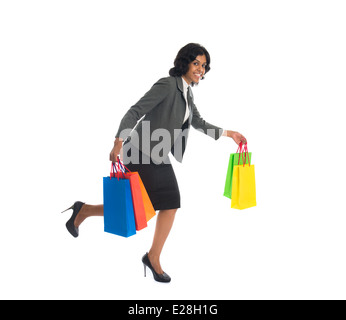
x=243, y=187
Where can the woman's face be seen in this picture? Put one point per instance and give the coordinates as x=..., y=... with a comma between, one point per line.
x=196, y=70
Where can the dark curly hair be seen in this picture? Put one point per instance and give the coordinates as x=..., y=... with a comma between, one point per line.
x=185, y=56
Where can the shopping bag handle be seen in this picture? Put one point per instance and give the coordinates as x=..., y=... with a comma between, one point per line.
x=240, y=150
x=115, y=168
x=122, y=167
x=243, y=152
x=113, y=171
x=240, y=147
x=246, y=152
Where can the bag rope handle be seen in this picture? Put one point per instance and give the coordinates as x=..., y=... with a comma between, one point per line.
x=240, y=150
x=246, y=152
x=117, y=167
x=243, y=152
x=122, y=166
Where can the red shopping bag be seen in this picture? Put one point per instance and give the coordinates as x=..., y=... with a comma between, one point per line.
x=148, y=206
x=118, y=171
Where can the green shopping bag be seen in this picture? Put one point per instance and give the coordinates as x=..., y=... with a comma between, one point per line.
x=235, y=159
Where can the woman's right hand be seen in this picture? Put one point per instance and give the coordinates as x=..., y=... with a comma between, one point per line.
x=118, y=144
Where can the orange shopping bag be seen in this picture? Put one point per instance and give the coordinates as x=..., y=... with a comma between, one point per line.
x=148, y=206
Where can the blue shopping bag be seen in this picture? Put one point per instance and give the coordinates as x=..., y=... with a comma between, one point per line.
x=118, y=211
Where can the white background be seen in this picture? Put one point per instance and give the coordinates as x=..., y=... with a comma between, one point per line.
x=69, y=70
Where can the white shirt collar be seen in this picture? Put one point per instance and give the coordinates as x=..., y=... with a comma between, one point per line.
x=185, y=84
x=187, y=111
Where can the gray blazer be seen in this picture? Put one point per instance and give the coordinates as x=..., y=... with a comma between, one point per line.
x=161, y=112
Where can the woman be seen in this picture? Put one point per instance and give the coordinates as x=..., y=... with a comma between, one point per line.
x=165, y=112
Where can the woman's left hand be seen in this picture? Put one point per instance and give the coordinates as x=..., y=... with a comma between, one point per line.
x=236, y=136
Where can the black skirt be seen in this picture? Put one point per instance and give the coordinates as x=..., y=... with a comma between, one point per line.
x=159, y=181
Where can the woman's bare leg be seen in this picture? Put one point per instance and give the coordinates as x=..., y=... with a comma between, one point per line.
x=164, y=222
x=88, y=211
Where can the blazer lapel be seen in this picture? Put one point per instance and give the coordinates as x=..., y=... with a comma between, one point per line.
x=190, y=102
x=180, y=87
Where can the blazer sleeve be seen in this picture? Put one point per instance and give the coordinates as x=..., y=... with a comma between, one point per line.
x=201, y=125
x=158, y=92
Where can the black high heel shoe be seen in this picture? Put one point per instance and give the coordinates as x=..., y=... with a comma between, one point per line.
x=158, y=277
x=70, y=223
